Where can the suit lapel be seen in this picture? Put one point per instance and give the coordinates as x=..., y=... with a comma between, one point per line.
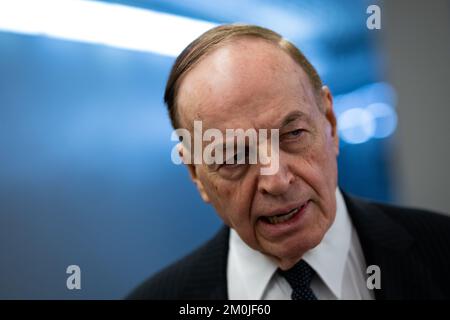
x=388, y=245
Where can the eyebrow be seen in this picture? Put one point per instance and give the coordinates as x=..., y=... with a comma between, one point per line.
x=291, y=117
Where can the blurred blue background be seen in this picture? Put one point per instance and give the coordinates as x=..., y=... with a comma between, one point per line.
x=86, y=176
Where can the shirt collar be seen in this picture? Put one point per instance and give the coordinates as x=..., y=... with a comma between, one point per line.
x=255, y=270
x=329, y=258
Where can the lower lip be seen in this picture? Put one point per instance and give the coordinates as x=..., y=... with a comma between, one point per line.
x=279, y=229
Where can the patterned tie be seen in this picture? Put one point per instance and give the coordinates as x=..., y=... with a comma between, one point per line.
x=299, y=277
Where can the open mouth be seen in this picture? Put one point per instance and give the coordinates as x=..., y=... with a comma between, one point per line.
x=280, y=218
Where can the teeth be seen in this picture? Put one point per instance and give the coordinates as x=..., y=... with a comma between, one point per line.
x=282, y=217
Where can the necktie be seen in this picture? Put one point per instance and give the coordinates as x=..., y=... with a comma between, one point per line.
x=299, y=277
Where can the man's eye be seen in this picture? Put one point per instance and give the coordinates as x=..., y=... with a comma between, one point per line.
x=295, y=133
x=230, y=168
x=230, y=165
x=233, y=162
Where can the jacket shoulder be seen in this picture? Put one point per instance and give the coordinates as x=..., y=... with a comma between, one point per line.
x=427, y=231
x=426, y=227
x=419, y=221
x=421, y=224
x=199, y=275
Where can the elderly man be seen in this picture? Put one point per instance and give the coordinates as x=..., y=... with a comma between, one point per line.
x=291, y=234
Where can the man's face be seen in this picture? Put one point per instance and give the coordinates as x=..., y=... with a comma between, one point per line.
x=250, y=83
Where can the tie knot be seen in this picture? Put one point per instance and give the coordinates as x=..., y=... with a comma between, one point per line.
x=299, y=277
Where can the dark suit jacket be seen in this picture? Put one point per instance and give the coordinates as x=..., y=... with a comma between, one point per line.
x=411, y=247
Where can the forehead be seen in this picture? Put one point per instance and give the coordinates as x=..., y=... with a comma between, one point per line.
x=248, y=83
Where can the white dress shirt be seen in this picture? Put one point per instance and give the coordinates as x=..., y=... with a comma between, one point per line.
x=338, y=262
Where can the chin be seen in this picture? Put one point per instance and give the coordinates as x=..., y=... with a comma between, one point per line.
x=289, y=255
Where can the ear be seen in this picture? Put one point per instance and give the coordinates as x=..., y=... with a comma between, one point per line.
x=192, y=169
x=327, y=100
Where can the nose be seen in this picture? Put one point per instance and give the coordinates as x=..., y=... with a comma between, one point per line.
x=276, y=184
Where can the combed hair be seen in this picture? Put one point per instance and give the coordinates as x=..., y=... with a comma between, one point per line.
x=217, y=37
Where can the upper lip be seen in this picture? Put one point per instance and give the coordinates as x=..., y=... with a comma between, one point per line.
x=284, y=210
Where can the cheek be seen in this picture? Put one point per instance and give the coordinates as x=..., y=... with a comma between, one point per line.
x=318, y=169
x=229, y=198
